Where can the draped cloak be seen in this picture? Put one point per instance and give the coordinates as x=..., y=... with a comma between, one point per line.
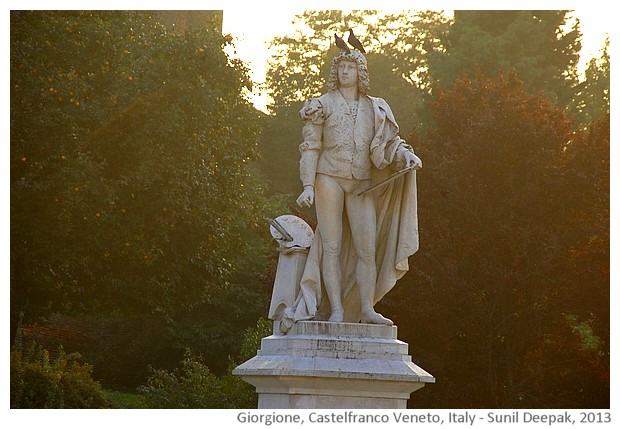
x=397, y=228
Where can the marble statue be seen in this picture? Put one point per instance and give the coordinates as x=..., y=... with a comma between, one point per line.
x=362, y=178
x=367, y=222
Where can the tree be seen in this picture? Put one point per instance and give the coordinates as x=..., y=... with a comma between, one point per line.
x=299, y=68
x=408, y=39
x=130, y=188
x=495, y=197
x=592, y=101
x=539, y=46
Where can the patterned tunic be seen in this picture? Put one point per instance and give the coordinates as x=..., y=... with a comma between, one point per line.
x=347, y=138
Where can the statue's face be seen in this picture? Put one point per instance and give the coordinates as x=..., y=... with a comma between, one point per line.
x=347, y=73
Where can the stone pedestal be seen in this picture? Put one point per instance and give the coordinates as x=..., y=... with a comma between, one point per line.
x=333, y=365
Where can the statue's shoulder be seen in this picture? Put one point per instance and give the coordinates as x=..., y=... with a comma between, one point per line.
x=379, y=102
x=317, y=109
x=328, y=100
x=324, y=99
x=382, y=108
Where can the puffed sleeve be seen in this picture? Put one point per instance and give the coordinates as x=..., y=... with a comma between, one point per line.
x=313, y=111
x=313, y=115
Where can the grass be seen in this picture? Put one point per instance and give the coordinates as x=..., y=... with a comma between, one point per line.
x=125, y=400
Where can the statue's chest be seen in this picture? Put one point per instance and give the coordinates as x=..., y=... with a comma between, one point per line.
x=349, y=123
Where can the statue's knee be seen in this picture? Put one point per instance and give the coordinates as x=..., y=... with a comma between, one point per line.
x=331, y=248
x=366, y=255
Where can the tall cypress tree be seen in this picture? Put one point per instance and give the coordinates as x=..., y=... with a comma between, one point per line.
x=592, y=100
x=537, y=45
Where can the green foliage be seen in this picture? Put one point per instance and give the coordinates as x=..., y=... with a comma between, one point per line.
x=299, y=68
x=279, y=147
x=130, y=145
x=252, y=339
x=592, y=101
x=537, y=45
x=193, y=385
x=213, y=330
x=190, y=386
x=118, y=348
x=408, y=39
x=589, y=341
x=38, y=382
x=125, y=400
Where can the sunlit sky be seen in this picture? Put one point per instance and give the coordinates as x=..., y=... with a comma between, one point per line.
x=254, y=26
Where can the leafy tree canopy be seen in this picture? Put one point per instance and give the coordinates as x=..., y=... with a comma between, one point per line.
x=130, y=189
x=510, y=198
x=542, y=47
x=593, y=97
x=300, y=66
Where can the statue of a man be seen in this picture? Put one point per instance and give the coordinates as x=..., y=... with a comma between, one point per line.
x=363, y=241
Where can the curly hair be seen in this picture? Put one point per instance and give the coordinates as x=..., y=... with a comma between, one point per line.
x=363, y=77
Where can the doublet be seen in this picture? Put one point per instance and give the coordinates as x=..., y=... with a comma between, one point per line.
x=342, y=136
x=349, y=142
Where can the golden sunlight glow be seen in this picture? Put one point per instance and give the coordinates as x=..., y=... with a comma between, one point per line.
x=253, y=29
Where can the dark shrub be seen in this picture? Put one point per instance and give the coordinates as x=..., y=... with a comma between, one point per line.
x=37, y=382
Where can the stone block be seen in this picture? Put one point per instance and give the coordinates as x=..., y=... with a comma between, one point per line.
x=334, y=365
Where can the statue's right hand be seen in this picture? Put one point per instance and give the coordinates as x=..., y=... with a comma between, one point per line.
x=306, y=199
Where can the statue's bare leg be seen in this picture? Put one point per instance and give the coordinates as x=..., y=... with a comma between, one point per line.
x=329, y=210
x=362, y=218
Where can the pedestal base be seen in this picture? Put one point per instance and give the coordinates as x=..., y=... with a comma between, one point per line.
x=334, y=365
